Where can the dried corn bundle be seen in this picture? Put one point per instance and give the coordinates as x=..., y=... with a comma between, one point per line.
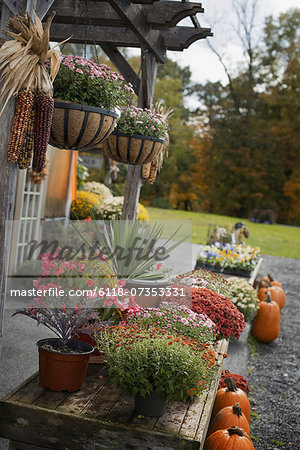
x=24, y=104
x=153, y=171
x=44, y=107
x=146, y=171
x=25, y=156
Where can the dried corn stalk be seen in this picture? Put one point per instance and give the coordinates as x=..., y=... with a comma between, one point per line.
x=22, y=58
x=23, y=73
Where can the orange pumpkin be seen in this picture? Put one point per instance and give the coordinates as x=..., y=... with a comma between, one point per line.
x=266, y=325
x=269, y=281
x=233, y=438
x=229, y=396
x=229, y=416
x=264, y=282
x=276, y=292
x=273, y=281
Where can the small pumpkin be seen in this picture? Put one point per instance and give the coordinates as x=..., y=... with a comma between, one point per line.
x=233, y=438
x=229, y=416
x=276, y=292
x=273, y=281
x=229, y=396
x=269, y=280
x=266, y=325
x=264, y=282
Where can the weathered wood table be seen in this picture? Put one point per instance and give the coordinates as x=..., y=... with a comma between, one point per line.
x=99, y=417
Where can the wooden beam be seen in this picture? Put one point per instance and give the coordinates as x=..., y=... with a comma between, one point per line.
x=166, y=14
x=123, y=66
x=14, y=6
x=42, y=7
x=179, y=38
x=8, y=175
x=134, y=16
x=176, y=39
x=134, y=176
x=161, y=15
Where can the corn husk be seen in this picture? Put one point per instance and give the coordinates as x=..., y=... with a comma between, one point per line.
x=22, y=58
x=150, y=170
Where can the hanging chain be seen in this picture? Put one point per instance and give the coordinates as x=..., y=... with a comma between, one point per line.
x=86, y=16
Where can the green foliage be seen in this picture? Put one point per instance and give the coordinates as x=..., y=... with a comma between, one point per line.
x=254, y=415
x=277, y=442
x=247, y=153
x=161, y=202
x=142, y=360
x=253, y=346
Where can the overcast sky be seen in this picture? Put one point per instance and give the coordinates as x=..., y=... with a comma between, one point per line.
x=219, y=15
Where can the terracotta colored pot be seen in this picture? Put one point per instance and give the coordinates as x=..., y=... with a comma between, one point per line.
x=96, y=357
x=63, y=371
x=153, y=287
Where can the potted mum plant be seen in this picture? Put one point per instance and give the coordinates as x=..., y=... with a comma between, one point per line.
x=62, y=361
x=138, y=137
x=86, y=95
x=156, y=366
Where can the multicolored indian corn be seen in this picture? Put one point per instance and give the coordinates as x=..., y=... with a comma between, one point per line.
x=44, y=107
x=153, y=172
x=24, y=104
x=25, y=155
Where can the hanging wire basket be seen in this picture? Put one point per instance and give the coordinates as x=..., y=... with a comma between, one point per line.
x=80, y=127
x=132, y=149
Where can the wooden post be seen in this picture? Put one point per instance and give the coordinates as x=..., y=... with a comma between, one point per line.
x=146, y=94
x=8, y=183
x=9, y=170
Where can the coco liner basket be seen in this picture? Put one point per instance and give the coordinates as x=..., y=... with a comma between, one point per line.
x=132, y=149
x=80, y=127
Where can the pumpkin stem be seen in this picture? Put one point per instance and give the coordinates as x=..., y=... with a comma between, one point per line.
x=230, y=384
x=236, y=430
x=237, y=409
x=270, y=277
x=268, y=299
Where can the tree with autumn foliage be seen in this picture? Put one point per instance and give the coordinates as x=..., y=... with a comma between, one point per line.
x=247, y=140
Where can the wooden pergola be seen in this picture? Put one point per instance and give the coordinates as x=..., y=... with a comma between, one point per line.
x=149, y=25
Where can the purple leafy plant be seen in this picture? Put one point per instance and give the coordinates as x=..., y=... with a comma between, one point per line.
x=64, y=322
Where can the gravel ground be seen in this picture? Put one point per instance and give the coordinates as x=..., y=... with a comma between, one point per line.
x=274, y=372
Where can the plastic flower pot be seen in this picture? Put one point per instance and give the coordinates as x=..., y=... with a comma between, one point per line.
x=132, y=149
x=63, y=371
x=151, y=405
x=80, y=127
x=95, y=357
x=150, y=296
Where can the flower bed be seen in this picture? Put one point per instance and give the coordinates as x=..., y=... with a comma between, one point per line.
x=229, y=259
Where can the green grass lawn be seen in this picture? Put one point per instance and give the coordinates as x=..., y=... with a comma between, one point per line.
x=278, y=240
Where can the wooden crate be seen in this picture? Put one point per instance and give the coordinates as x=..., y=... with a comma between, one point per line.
x=99, y=417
